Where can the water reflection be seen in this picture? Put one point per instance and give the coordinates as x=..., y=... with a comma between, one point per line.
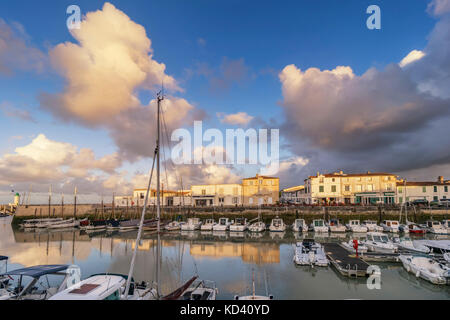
x=229, y=258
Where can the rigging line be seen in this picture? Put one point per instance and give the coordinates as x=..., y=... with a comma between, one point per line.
x=130, y=274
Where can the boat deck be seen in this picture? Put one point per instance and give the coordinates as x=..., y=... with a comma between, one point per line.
x=345, y=262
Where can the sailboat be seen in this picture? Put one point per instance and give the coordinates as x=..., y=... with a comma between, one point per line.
x=259, y=225
x=253, y=296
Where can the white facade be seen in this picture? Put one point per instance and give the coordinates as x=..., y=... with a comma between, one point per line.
x=430, y=191
x=217, y=195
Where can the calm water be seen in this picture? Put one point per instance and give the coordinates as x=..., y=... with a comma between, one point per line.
x=228, y=259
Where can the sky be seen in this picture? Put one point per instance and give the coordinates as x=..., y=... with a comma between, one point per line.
x=77, y=107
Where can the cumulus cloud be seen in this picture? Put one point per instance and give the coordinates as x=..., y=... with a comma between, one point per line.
x=112, y=59
x=240, y=118
x=16, y=53
x=411, y=57
x=390, y=119
x=439, y=7
x=45, y=161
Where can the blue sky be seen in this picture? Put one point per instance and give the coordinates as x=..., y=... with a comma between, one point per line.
x=194, y=37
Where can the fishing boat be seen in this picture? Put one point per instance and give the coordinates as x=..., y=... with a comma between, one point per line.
x=97, y=225
x=356, y=227
x=208, y=225
x=426, y=268
x=28, y=280
x=299, y=225
x=319, y=226
x=372, y=226
x=379, y=242
x=258, y=226
x=106, y=287
x=390, y=226
x=192, y=224
x=173, y=226
x=409, y=245
x=350, y=245
x=239, y=225
x=310, y=253
x=222, y=225
x=32, y=223
x=335, y=226
x=436, y=227
x=277, y=225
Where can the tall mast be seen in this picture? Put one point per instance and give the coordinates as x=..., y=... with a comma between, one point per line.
x=158, y=197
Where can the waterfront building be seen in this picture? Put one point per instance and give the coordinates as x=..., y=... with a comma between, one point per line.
x=260, y=190
x=217, y=195
x=292, y=195
x=423, y=190
x=352, y=188
x=168, y=197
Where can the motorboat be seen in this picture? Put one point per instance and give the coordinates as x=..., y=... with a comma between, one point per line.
x=208, y=225
x=258, y=226
x=416, y=229
x=173, y=226
x=407, y=244
x=201, y=290
x=379, y=242
x=300, y=225
x=106, y=287
x=438, y=247
x=34, y=289
x=390, y=226
x=192, y=224
x=4, y=280
x=372, y=226
x=350, y=245
x=309, y=253
x=436, y=227
x=222, y=225
x=334, y=225
x=277, y=225
x=426, y=268
x=404, y=228
x=239, y=225
x=319, y=226
x=356, y=227
x=446, y=224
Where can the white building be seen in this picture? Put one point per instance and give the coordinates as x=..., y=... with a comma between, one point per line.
x=217, y=195
x=168, y=198
x=430, y=191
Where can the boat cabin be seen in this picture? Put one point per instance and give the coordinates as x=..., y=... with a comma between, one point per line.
x=354, y=222
x=241, y=221
x=319, y=223
x=223, y=221
x=391, y=223
x=433, y=224
x=377, y=237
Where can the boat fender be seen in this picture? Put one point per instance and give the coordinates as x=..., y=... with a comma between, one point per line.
x=418, y=273
x=408, y=268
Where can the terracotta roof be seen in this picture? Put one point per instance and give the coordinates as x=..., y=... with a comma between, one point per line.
x=422, y=183
x=257, y=177
x=367, y=174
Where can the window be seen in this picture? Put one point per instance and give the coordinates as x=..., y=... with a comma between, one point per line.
x=347, y=188
x=221, y=200
x=269, y=201
x=435, y=188
x=359, y=188
x=333, y=188
x=359, y=179
x=400, y=199
x=141, y=195
x=446, y=189
x=235, y=200
x=321, y=189
x=424, y=189
x=114, y=296
x=435, y=198
x=250, y=200
x=333, y=180
x=203, y=192
x=400, y=190
x=370, y=187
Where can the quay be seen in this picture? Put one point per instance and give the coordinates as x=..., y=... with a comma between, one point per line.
x=346, y=263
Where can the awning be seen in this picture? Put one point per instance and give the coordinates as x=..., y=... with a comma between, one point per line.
x=37, y=271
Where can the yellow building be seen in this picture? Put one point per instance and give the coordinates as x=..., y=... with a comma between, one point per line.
x=260, y=190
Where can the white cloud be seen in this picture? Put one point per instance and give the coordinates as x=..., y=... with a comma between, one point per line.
x=439, y=7
x=240, y=118
x=411, y=57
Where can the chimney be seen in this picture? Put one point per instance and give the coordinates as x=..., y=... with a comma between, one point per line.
x=318, y=173
x=341, y=172
x=441, y=179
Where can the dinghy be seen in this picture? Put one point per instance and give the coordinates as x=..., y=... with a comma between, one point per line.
x=427, y=269
x=310, y=253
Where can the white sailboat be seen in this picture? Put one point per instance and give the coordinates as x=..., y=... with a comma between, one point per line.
x=254, y=296
x=259, y=225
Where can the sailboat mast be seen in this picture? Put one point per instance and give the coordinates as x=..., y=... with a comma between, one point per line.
x=158, y=197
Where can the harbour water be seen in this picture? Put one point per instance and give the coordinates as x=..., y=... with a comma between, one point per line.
x=226, y=258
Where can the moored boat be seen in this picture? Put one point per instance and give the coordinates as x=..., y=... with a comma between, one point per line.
x=239, y=225
x=300, y=225
x=380, y=243
x=258, y=226
x=222, y=225
x=319, y=226
x=390, y=226
x=335, y=226
x=372, y=226
x=356, y=227
x=192, y=224
x=426, y=268
x=208, y=225
x=309, y=252
x=277, y=225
